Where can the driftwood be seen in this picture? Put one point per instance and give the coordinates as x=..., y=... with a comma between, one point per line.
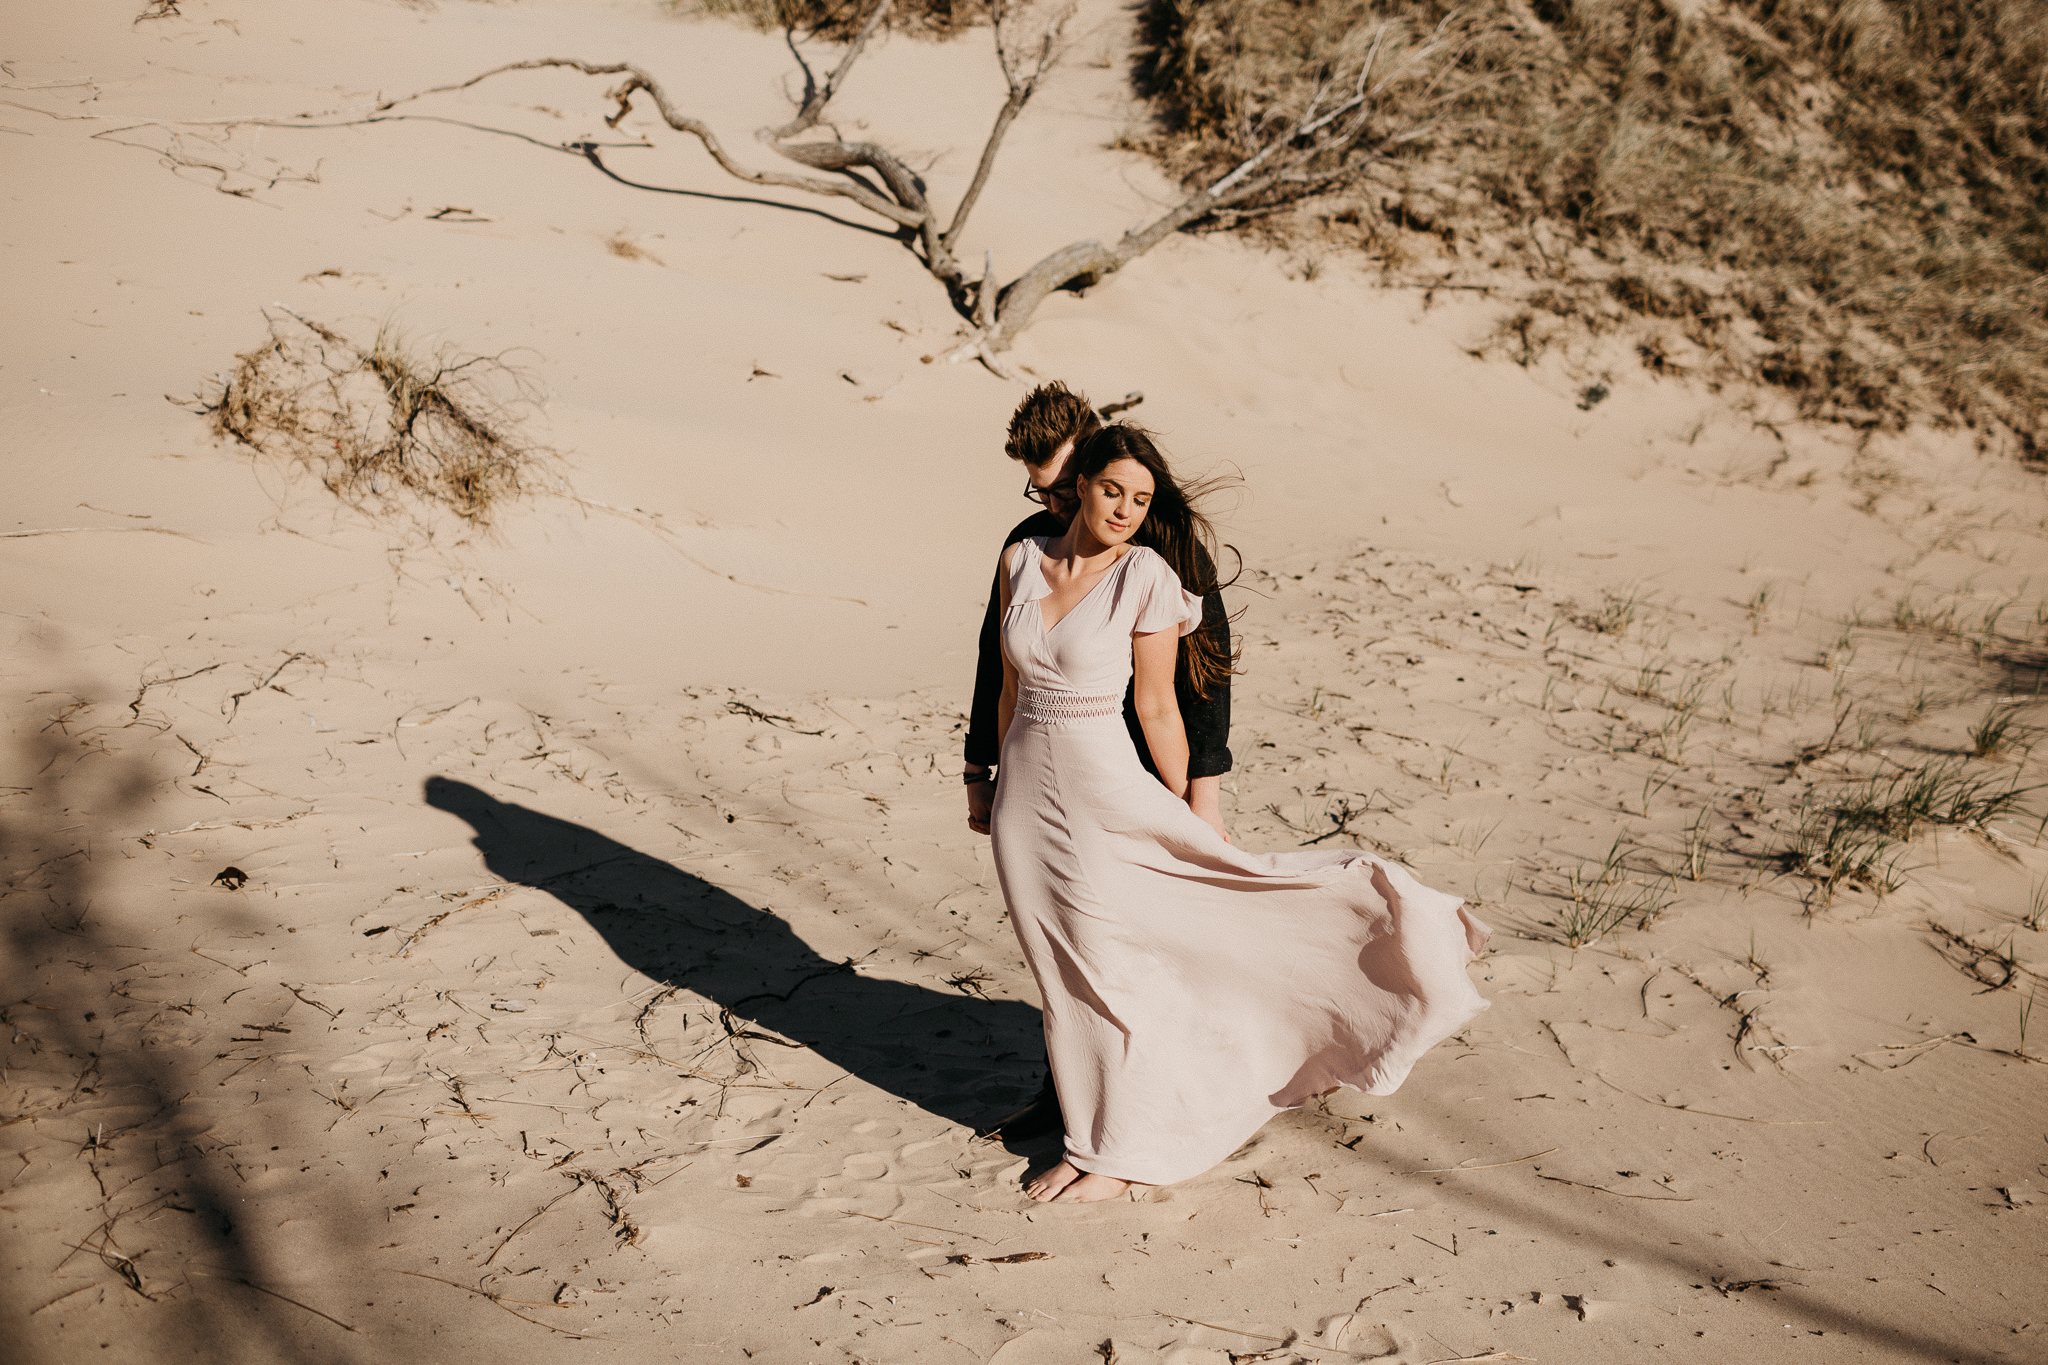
x=1300, y=151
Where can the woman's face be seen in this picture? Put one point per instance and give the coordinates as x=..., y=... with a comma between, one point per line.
x=1113, y=503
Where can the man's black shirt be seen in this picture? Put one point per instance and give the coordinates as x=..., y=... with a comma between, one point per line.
x=1207, y=719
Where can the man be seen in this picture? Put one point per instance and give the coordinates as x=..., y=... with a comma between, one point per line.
x=1044, y=430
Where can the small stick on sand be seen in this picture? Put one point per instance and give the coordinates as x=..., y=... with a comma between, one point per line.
x=405, y=948
x=1653, y=1198
x=1292, y=1345
x=740, y=708
x=822, y=1089
x=928, y=1227
x=251, y=1284
x=640, y=1020
x=74, y=530
x=241, y=971
x=1442, y=1170
x=531, y=1221
x=501, y=1302
x=309, y=1000
x=1712, y=1114
x=135, y=707
x=235, y=701
x=147, y=835
x=61, y=1297
x=1551, y=1029
x=1918, y=1050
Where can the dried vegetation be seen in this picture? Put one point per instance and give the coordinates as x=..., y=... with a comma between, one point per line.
x=1348, y=115
x=826, y=19
x=381, y=423
x=1844, y=200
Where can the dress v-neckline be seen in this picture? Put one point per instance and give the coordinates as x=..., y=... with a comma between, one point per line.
x=1045, y=629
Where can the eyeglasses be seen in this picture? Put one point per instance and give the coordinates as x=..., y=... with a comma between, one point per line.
x=1044, y=497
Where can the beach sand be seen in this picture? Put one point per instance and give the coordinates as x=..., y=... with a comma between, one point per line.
x=608, y=972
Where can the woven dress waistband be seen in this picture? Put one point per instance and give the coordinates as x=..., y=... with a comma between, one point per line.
x=1047, y=708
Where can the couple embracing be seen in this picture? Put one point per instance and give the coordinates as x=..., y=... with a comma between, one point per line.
x=1191, y=990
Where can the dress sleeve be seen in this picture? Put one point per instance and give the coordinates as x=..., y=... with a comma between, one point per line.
x=1162, y=603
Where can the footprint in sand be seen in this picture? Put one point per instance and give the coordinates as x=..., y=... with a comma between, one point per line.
x=752, y=1108
x=933, y=1152
x=866, y=1167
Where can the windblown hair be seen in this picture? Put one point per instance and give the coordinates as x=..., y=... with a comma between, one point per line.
x=1176, y=529
x=1050, y=416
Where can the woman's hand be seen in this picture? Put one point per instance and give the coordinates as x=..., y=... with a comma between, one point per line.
x=1205, y=798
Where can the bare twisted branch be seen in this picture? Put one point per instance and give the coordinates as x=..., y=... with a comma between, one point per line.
x=1331, y=139
x=1023, y=78
x=816, y=96
x=1320, y=132
x=638, y=80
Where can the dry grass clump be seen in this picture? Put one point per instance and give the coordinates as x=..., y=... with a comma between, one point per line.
x=839, y=19
x=376, y=423
x=1845, y=199
x=626, y=249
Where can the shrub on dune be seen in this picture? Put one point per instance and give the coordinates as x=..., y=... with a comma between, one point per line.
x=1845, y=199
x=374, y=424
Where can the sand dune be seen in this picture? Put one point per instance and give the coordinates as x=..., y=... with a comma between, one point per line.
x=608, y=968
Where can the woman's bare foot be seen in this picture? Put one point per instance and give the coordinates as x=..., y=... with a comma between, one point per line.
x=1065, y=1184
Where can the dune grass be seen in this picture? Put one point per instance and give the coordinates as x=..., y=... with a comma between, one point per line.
x=380, y=422
x=2001, y=731
x=1594, y=906
x=1843, y=199
x=1854, y=833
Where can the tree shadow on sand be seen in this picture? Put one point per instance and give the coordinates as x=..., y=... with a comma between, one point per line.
x=129, y=1220
x=963, y=1058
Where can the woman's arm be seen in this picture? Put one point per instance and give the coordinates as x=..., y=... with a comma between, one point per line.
x=1153, y=657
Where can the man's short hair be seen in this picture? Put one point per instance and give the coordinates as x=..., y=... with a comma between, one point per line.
x=1050, y=416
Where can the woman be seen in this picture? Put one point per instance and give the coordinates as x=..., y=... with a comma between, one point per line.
x=1191, y=990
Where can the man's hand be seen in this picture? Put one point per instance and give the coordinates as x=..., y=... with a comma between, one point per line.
x=981, y=798
x=1205, y=798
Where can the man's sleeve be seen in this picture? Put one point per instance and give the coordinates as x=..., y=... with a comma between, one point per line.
x=1207, y=719
x=988, y=683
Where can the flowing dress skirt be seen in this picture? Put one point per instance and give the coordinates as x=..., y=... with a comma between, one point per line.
x=1192, y=990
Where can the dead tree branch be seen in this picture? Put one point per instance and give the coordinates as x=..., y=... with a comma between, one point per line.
x=1023, y=76
x=816, y=97
x=841, y=156
x=1323, y=131
x=1286, y=153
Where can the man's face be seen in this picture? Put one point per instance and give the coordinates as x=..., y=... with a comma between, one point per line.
x=1046, y=484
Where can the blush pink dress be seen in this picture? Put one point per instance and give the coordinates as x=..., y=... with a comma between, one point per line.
x=1191, y=990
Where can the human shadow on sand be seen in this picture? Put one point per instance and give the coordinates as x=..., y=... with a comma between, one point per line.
x=962, y=1058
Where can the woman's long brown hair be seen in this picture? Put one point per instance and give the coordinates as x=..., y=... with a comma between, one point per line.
x=1176, y=529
